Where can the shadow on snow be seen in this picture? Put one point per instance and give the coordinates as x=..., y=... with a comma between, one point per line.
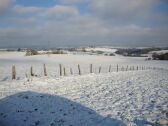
x=35, y=109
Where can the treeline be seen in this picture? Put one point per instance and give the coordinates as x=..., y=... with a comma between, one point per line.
x=156, y=56
x=135, y=51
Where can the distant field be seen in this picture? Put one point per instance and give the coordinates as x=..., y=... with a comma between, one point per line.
x=52, y=61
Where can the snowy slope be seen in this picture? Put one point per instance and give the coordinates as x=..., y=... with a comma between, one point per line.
x=159, y=52
x=23, y=63
x=133, y=98
x=107, y=50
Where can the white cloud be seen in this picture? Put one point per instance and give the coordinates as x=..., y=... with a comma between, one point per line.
x=123, y=10
x=27, y=10
x=112, y=22
x=60, y=11
x=73, y=1
x=86, y=31
x=5, y=5
x=17, y=33
x=122, y=6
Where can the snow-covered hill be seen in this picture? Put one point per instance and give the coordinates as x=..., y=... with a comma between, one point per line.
x=23, y=63
x=133, y=98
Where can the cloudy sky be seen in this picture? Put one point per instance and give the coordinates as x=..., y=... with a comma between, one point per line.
x=83, y=22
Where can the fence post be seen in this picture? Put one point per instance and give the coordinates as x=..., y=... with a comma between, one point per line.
x=79, y=69
x=99, y=69
x=137, y=67
x=60, y=66
x=71, y=71
x=127, y=68
x=117, y=67
x=110, y=68
x=45, y=71
x=64, y=72
x=91, y=70
x=13, y=72
x=31, y=71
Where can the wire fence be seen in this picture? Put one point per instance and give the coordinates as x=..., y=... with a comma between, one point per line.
x=77, y=70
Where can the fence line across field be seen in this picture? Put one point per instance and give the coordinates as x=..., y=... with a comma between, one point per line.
x=65, y=71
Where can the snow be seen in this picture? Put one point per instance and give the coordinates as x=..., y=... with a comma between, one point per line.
x=124, y=98
x=107, y=50
x=159, y=52
x=23, y=63
x=118, y=98
x=12, y=54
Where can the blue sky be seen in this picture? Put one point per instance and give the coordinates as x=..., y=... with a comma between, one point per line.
x=83, y=22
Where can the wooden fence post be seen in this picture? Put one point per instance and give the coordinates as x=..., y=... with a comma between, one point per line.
x=31, y=71
x=71, y=71
x=60, y=66
x=79, y=69
x=45, y=71
x=130, y=68
x=13, y=72
x=99, y=69
x=117, y=67
x=110, y=68
x=127, y=68
x=64, y=72
x=91, y=70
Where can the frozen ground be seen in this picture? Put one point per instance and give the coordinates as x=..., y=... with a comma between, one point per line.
x=106, y=50
x=129, y=98
x=133, y=98
x=23, y=63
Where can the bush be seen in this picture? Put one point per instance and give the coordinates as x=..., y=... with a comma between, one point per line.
x=83, y=50
x=31, y=52
x=58, y=52
x=72, y=49
x=111, y=54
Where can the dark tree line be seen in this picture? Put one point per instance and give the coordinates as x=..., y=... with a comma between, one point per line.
x=160, y=56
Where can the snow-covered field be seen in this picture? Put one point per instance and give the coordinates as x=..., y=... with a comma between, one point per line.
x=159, y=52
x=133, y=98
x=23, y=63
x=109, y=50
